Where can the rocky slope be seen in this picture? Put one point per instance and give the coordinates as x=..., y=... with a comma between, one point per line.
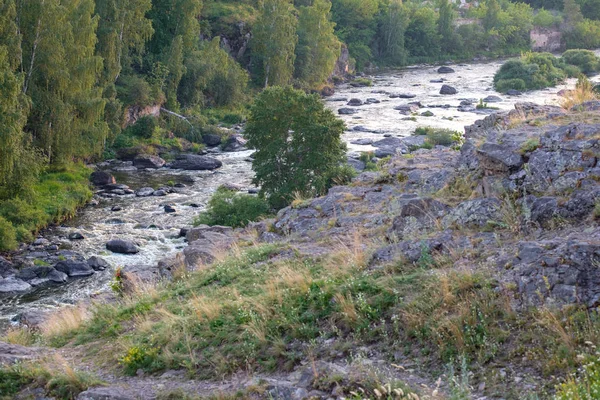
x=489, y=254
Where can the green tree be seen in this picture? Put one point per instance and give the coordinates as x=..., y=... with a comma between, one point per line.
x=172, y=18
x=356, y=25
x=274, y=42
x=445, y=25
x=61, y=74
x=318, y=47
x=123, y=30
x=392, y=27
x=492, y=15
x=298, y=144
x=422, y=37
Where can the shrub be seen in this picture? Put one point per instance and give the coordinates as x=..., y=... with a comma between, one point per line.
x=531, y=71
x=226, y=207
x=8, y=236
x=585, y=60
x=572, y=71
x=133, y=90
x=585, y=386
x=504, y=85
x=358, y=82
x=143, y=128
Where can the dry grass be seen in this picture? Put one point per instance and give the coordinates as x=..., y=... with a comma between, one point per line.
x=583, y=92
x=205, y=308
x=65, y=320
x=347, y=308
x=21, y=336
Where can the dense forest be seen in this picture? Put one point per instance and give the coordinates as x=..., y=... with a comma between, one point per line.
x=72, y=71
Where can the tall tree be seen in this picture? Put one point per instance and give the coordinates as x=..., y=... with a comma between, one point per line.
x=572, y=13
x=172, y=18
x=123, y=30
x=492, y=15
x=298, y=144
x=274, y=42
x=318, y=47
x=392, y=27
x=445, y=24
x=61, y=73
x=422, y=38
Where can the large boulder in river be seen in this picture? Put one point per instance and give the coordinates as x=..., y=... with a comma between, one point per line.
x=148, y=161
x=75, y=269
x=97, y=263
x=144, y=192
x=448, y=90
x=192, y=162
x=101, y=178
x=347, y=111
x=445, y=70
x=234, y=143
x=41, y=275
x=211, y=139
x=122, y=246
x=6, y=268
x=13, y=286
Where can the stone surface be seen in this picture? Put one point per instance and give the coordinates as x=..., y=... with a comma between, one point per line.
x=74, y=269
x=193, y=162
x=100, y=178
x=448, y=90
x=122, y=246
x=148, y=161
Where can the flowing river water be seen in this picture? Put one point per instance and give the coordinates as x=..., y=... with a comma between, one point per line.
x=144, y=221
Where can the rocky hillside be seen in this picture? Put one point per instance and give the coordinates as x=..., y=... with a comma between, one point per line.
x=445, y=274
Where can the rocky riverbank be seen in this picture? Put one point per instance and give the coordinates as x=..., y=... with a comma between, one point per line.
x=506, y=227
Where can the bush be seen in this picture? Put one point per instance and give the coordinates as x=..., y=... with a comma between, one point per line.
x=226, y=207
x=572, y=71
x=143, y=128
x=532, y=71
x=504, y=85
x=584, y=386
x=8, y=236
x=585, y=60
x=133, y=90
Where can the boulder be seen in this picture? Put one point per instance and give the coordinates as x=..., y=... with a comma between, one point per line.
x=159, y=193
x=372, y=101
x=6, y=268
x=355, y=102
x=13, y=286
x=191, y=162
x=122, y=246
x=498, y=158
x=513, y=92
x=492, y=99
x=389, y=146
x=40, y=275
x=101, y=178
x=97, y=263
x=12, y=353
x=448, y=90
x=406, y=96
x=109, y=393
x=235, y=143
x=169, y=209
x=358, y=165
x=76, y=236
x=347, y=111
x=362, y=142
x=407, y=108
x=475, y=213
x=148, y=161
x=74, y=269
x=445, y=70
x=144, y=192
x=211, y=140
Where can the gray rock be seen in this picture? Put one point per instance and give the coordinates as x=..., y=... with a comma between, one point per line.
x=492, y=99
x=6, y=268
x=498, y=158
x=191, y=162
x=100, y=178
x=358, y=165
x=74, y=269
x=355, y=102
x=122, y=246
x=407, y=108
x=159, y=193
x=445, y=70
x=12, y=353
x=39, y=275
x=235, y=143
x=513, y=92
x=148, y=161
x=76, y=236
x=448, y=90
x=97, y=263
x=347, y=111
x=362, y=142
x=169, y=209
x=473, y=213
x=109, y=393
x=13, y=286
x=211, y=140
x=144, y=192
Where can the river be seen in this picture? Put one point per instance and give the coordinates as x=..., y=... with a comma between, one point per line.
x=144, y=221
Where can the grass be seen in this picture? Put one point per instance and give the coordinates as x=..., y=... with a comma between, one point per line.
x=583, y=92
x=54, y=198
x=52, y=374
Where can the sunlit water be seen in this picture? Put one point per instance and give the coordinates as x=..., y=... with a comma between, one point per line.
x=144, y=221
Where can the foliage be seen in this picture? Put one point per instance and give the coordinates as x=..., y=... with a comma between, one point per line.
x=229, y=208
x=298, y=144
x=143, y=127
x=585, y=60
x=532, y=71
x=274, y=42
x=8, y=235
x=585, y=386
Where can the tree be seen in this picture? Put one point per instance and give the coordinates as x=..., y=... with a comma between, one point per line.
x=422, y=38
x=123, y=30
x=318, y=48
x=492, y=15
x=172, y=18
x=392, y=27
x=356, y=26
x=298, y=144
x=445, y=24
x=572, y=13
x=274, y=42
x=61, y=74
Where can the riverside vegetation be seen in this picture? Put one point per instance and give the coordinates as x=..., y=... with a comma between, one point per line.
x=77, y=75
x=442, y=274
